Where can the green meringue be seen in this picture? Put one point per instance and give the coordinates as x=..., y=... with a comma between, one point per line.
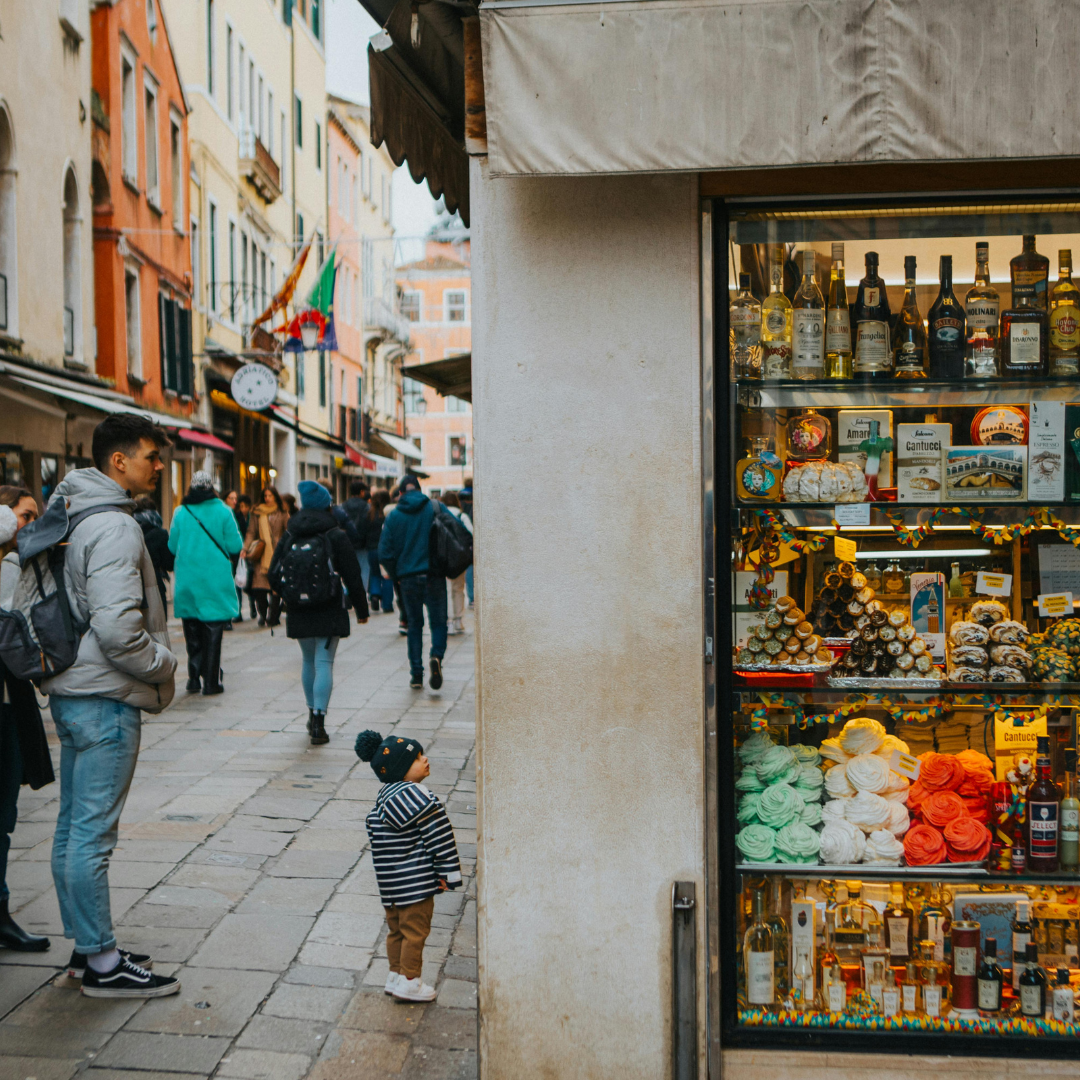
x=749, y=781
x=780, y=805
x=757, y=843
x=748, y=808
x=807, y=755
x=755, y=746
x=774, y=763
x=797, y=843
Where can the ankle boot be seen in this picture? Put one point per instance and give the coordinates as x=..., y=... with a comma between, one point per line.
x=311, y=721
x=318, y=730
x=212, y=673
x=14, y=937
x=193, y=642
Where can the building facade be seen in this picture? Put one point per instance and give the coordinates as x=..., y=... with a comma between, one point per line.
x=436, y=297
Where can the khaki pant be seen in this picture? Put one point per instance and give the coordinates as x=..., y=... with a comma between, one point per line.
x=457, y=600
x=409, y=929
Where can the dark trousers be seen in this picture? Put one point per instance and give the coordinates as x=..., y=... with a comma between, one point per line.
x=268, y=605
x=418, y=592
x=380, y=586
x=11, y=769
x=203, y=642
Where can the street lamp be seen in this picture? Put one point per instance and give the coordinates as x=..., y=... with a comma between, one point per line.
x=252, y=469
x=309, y=334
x=273, y=474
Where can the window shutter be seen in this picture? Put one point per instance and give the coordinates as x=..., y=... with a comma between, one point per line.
x=185, y=363
x=163, y=348
x=170, y=381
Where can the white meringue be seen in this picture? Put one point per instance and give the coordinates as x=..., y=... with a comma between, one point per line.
x=833, y=810
x=899, y=820
x=868, y=811
x=889, y=744
x=897, y=796
x=896, y=783
x=861, y=735
x=868, y=772
x=836, y=783
x=841, y=843
x=883, y=849
x=832, y=751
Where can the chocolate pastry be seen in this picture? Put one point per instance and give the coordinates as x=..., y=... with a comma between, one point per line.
x=886, y=663
x=846, y=621
x=837, y=607
x=878, y=618
x=846, y=592
x=850, y=661
x=868, y=665
x=846, y=570
x=869, y=633
x=827, y=595
x=859, y=647
x=878, y=649
x=832, y=579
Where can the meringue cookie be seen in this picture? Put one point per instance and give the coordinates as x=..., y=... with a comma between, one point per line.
x=883, y=849
x=806, y=755
x=868, y=772
x=749, y=781
x=833, y=810
x=797, y=843
x=811, y=777
x=779, y=805
x=748, y=809
x=868, y=811
x=899, y=819
x=836, y=783
x=889, y=744
x=756, y=745
x=841, y=843
x=896, y=783
x=861, y=735
x=897, y=796
x=757, y=843
x=831, y=751
x=773, y=763
x=788, y=776
x=810, y=814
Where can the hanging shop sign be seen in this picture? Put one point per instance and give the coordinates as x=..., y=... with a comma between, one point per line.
x=254, y=386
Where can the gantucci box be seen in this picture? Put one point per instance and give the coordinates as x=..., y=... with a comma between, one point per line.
x=853, y=426
x=918, y=461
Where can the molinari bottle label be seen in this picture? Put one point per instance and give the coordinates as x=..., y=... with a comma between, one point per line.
x=759, y=978
x=982, y=314
x=1024, y=344
x=1044, y=830
x=838, y=331
x=872, y=346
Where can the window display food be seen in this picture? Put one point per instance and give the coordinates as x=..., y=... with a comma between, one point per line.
x=784, y=641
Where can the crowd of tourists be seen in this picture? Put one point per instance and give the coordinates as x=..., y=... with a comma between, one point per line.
x=85, y=586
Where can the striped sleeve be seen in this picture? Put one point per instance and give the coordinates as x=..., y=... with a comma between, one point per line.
x=438, y=835
x=401, y=808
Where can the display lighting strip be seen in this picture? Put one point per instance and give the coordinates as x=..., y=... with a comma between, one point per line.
x=863, y=212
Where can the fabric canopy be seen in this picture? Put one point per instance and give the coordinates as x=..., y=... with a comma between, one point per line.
x=203, y=438
x=451, y=376
x=402, y=446
x=691, y=85
x=105, y=405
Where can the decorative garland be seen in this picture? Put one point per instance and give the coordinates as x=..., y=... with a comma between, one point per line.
x=998, y=535
x=1005, y=1026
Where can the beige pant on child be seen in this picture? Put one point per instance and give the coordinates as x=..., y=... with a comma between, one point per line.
x=409, y=929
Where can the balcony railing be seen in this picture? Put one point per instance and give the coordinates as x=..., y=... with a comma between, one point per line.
x=69, y=332
x=258, y=166
x=385, y=318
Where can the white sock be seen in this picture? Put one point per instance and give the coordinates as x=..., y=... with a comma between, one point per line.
x=104, y=961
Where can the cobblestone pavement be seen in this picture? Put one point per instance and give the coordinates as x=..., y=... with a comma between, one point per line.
x=243, y=868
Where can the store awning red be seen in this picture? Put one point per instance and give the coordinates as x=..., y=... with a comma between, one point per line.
x=359, y=459
x=203, y=438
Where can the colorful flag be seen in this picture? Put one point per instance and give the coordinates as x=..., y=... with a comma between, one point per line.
x=321, y=300
x=288, y=286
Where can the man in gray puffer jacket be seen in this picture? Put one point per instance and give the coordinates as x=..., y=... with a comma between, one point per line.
x=124, y=665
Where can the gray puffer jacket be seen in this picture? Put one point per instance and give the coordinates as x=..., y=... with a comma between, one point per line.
x=110, y=580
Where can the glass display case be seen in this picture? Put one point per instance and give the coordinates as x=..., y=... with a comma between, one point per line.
x=900, y=661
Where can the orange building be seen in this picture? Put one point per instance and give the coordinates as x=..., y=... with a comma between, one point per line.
x=437, y=299
x=142, y=256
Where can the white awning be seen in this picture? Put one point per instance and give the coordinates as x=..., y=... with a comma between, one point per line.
x=402, y=446
x=106, y=405
x=632, y=86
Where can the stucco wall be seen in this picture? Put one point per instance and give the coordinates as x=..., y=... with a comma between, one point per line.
x=586, y=369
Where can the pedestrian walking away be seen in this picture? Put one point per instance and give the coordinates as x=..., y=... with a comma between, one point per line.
x=356, y=510
x=240, y=505
x=24, y=750
x=265, y=530
x=204, y=540
x=404, y=551
x=414, y=853
x=457, y=585
x=313, y=560
x=123, y=665
x=380, y=587
x=156, y=538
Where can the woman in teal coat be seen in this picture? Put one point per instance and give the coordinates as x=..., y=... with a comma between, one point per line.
x=203, y=536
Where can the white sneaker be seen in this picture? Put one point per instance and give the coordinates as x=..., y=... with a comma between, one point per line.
x=391, y=982
x=413, y=990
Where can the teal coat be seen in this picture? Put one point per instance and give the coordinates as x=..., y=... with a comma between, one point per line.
x=203, y=585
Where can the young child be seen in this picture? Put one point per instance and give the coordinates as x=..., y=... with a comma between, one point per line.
x=412, y=846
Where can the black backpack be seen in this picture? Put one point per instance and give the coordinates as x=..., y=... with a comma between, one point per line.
x=450, y=552
x=304, y=576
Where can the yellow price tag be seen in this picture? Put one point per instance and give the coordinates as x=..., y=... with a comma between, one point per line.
x=845, y=549
x=1054, y=604
x=905, y=764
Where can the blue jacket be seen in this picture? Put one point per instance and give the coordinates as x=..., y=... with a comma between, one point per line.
x=406, y=536
x=204, y=587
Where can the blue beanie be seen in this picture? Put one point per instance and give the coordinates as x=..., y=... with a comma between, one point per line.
x=313, y=496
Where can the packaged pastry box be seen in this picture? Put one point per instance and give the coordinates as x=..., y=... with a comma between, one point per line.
x=985, y=473
x=919, y=449
x=853, y=426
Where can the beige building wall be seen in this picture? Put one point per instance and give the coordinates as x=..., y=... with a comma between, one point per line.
x=45, y=140
x=586, y=385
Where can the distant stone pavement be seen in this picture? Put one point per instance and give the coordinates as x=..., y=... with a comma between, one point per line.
x=243, y=867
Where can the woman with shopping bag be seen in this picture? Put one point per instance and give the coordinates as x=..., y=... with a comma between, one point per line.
x=265, y=529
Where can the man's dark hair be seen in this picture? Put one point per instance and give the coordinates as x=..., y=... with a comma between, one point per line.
x=243, y=500
x=124, y=432
x=358, y=487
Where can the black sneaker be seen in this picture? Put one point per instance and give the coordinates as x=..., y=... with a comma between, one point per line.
x=436, y=673
x=128, y=980
x=416, y=682
x=77, y=964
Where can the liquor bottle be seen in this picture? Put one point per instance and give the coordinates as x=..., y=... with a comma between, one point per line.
x=909, y=335
x=875, y=962
x=827, y=958
x=892, y=580
x=1069, y=848
x=776, y=324
x=1021, y=937
x=850, y=938
x=873, y=576
x=1062, y=999
x=837, y=993
x=899, y=922
x=948, y=328
x=909, y=992
x=890, y=995
x=809, y=436
x=1030, y=273
x=990, y=980
x=933, y=981
x=1043, y=811
x=982, y=306
x=956, y=584
x=758, y=956
x=744, y=323
x=1032, y=985
x=808, y=325
x=1065, y=321
x=758, y=477
x=935, y=922
x=781, y=941
x=838, y=360
x=1018, y=852
x=871, y=315
x=803, y=983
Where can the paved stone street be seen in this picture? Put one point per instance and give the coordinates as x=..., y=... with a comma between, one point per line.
x=243, y=867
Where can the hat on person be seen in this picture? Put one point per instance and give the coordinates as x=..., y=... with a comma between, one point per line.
x=409, y=483
x=313, y=496
x=202, y=479
x=390, y=757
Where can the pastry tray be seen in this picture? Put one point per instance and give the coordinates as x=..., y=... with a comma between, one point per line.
x=786, y=669
x=878, y=682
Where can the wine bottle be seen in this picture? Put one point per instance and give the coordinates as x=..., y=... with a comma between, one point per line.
x=758, y=957
x=1069, y=848
x=873, y=357
x=1030, y=274
x=744, y=322
x=838, y=359
x=1032, y=984
x=948, y=328
x=982, y=307
x=909, y=344
x=1043, y=812
x=899, y=920
x=776, y=324
x=808, y=325
x=1065, y=321
x=1021, y=936
x=990, y=980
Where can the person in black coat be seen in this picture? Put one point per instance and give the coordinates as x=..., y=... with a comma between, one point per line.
x=156, y=537
x=318, y=626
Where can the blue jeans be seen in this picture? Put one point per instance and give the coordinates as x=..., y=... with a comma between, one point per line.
x=317, y=674
x=365, y=565
x=468, y=583
x=418, y=592
x=381, y=588
x=99, y=743
x=10, y=780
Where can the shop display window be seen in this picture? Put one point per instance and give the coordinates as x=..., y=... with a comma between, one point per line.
x=899, y=457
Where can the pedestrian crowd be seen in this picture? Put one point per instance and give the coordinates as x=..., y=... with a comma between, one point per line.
x=84, y=592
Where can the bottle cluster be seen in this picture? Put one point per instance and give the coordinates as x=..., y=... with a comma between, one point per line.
x=818, y=337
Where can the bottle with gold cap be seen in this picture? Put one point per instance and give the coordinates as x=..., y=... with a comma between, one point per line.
x=1065, y=320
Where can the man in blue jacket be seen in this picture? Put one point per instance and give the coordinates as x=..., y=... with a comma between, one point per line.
x=403, y=553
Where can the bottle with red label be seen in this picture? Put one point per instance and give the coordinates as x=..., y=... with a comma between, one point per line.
x=1043, y=813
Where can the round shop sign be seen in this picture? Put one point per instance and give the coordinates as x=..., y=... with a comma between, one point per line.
x=254, y=386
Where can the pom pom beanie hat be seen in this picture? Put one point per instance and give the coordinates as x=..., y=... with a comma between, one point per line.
x=390, y=757
x=313, y=496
